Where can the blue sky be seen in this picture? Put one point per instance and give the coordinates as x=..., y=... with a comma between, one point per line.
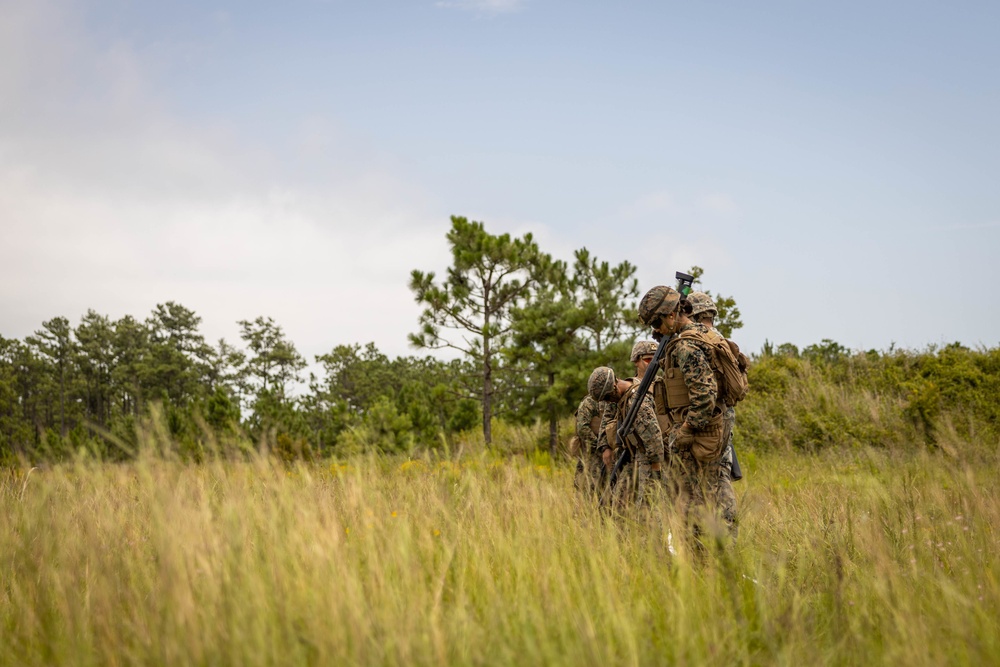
x=834, y=167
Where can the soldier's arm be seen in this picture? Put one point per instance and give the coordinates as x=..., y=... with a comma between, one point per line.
x=602, y=437
x=701, y=385
x=586, y=412
x=648, y=430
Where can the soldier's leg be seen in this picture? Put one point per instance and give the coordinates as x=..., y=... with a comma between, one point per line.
x=595, y=474
x=688, y=494
x=580, y=481
x=643, y=481
x=626, y=487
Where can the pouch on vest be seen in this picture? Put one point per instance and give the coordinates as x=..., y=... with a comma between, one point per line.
x=676, y=389
x=660, y=406
x=574, y=446
x=708, y=442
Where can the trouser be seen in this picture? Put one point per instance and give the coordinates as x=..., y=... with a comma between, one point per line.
x=703, y=492
x=590, y=474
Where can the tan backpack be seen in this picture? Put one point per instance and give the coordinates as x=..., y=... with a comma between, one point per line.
x=730, y=365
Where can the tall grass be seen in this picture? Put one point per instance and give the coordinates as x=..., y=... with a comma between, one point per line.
x=843, y=558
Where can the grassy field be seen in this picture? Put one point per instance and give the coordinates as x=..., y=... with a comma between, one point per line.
x=843, y=558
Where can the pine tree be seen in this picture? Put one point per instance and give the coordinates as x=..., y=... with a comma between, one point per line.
x=54, y=341
x=608, y=295
x=727, y=319
x=489, y=276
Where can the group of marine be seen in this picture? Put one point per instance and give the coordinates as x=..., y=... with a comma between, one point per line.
x=680, y=444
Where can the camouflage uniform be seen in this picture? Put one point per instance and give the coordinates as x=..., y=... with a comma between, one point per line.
x=642, y=348
x=698, y=484
x=589, y=467
x=726, y=496
x=636, y=480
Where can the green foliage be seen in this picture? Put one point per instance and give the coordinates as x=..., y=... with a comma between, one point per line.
x=531, y=329
x=222, y=411
x=489, y=276
x=829, y=396
x=828, y=352
x=273, y=362
x=382, y=429
x=572, y=323
x=430, y=392
x=728, y=318
x=608, y=298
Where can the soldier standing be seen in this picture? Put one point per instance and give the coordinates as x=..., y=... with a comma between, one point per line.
x=642, y=354
x=589, y=466
x=696, y=420
x=704, y=312
x=637, y=480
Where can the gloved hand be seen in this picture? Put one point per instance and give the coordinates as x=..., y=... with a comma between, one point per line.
x=607, y=457
x=684, y=438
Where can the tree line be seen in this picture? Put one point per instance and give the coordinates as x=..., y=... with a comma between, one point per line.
x=527, y=330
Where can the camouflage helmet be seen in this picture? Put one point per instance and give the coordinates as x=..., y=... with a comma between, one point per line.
x=661, y=300
x=702, y=303
x=642, y=348
x=601, y=382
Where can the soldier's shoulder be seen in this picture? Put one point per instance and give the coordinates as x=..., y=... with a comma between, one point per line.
x=694, y=329
x=647, y=397
x=694, y=342
x=714, y=335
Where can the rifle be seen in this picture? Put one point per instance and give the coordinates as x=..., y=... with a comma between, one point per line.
x=684, y=283
x=628, y=424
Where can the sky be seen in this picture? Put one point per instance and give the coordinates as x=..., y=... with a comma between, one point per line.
x=835, y=167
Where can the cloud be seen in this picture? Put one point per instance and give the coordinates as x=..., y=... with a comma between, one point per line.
x=666, y=205
x=651, y=204
x=662, y=253
x=111, y=200
x=719, y=204
x=490, y=7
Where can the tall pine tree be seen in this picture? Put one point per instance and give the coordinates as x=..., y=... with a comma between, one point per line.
x=469, y=310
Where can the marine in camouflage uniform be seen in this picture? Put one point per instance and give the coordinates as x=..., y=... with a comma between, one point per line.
x=695, y=443
x=642, y=353
x=590, y=472
x=639, y=479
x=703, y=311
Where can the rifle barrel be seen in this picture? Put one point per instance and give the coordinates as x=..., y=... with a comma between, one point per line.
x=625, y=428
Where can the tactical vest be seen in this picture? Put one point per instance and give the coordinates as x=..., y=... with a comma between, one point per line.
x=661, y=403
x=728, y=365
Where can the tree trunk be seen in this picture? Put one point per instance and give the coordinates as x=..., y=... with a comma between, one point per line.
x=553, y=424
x=62, y=399
x=487, y=394
x=487, y=370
